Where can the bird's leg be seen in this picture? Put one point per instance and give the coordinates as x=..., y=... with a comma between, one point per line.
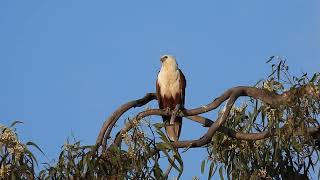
x=180, y=108
x=174, y=113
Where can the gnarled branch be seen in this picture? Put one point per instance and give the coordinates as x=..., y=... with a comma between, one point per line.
x=110, y=122
x=231, y=95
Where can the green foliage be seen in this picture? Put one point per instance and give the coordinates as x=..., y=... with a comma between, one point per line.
x=291, y=152
x=17, y=161
x=136, y=161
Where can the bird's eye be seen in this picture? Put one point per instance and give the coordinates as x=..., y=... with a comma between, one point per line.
x=165, y=57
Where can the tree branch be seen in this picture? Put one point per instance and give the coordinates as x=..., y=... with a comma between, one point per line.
x=232, y=94
x=110, y=122
x=245, y=136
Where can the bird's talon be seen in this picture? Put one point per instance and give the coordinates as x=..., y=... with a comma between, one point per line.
x=167, y=110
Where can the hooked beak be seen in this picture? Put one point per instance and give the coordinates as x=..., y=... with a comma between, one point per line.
x=162, y=59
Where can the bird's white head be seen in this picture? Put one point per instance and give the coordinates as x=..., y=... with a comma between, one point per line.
x=168, y=62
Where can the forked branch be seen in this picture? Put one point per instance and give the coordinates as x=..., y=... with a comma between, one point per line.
x=231, y=95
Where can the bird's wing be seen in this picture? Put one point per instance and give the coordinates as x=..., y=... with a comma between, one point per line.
x=158, y=94
x=183, y=85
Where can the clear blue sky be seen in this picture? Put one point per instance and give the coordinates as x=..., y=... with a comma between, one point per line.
x=66, y=65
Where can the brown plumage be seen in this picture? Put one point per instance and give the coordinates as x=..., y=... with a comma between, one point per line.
x=170, y=89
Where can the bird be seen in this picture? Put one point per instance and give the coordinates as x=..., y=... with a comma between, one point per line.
x=170, y=92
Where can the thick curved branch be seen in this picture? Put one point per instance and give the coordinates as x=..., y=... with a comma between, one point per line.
x=232, y=133
x=248, y=136
x=109, y=123
x=150, y=112
x=206, y=138
x=232, y=94
x=261, y=94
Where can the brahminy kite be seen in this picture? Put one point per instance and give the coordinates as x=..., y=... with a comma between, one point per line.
x=170, y=91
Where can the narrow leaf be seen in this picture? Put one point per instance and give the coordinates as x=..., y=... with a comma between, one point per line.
x=221, y=173
x=203, y=164
x=35, y=145
x=14, y=123
x=270, y=59
x=211, y=170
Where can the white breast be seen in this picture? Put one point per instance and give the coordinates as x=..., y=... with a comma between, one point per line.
x=169, y=82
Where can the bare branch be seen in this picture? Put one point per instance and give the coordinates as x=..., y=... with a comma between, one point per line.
x=110, y=122
x=231, y=133
x=232, y=94
x=245, y=136
x=206, y=138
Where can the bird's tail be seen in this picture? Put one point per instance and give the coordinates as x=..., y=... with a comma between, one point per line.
x=173, y=130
